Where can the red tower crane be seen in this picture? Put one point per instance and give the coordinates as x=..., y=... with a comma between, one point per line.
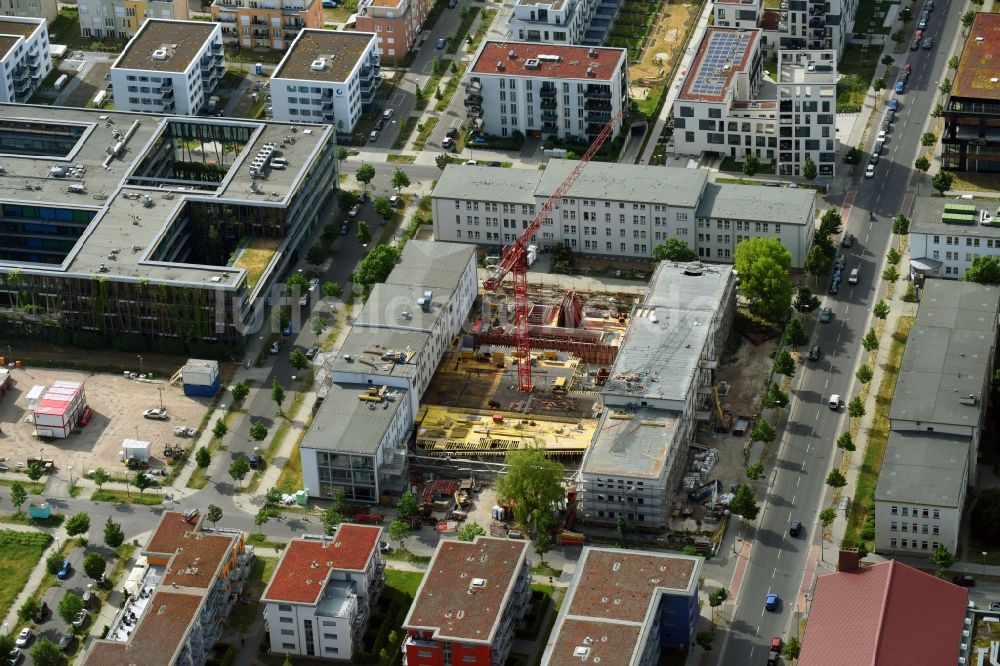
x=515, y=260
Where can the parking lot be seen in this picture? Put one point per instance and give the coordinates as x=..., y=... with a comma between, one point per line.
x=116, y=403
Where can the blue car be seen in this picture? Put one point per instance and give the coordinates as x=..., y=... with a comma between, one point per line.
x=64, y=570
x=900, y=87
x=894, y=105
x=771, y=603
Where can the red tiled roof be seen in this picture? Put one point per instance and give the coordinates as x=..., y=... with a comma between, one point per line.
x=611, y=642
x=573, y=60
x=198, y=559
x=881, y=616
x=979, y=69
x=297, y=581
x=169, y=534
x=157, y=637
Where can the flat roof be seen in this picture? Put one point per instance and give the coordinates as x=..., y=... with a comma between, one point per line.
x=335, y=54
x=784, y=205
x=169, y=533
x=634, y=443
x=396, y=306
x=443, y=604
x=948, y=354
x=347, y=424
x=666, y=336
x=813, y=66
x=362, y=350
x=20, y=26
x=979, y=67
x=198, y=559
x=483, y=183
x=180, y=41
x=721, y=54
x=670, y=186
x=924, y=468
x=613, y=599
x=548, y=61
x=433, y=264
x=305, y=565
x=927, y=217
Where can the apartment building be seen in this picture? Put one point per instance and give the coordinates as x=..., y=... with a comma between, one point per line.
x=655, y=395
x=807, y=111
x=121, y=19
x=619, y=210
x=739, y=14
x=268, y=24
x=796, y=25
x=622, y=606
x=323, y=592
x=43, y=9
x=468, y=603
x=570, y=22
x=327, y=76
x=25, y=57
x=357, y=443
x=396, y=24
x=179, y=596
x=946, y=236
x=971, y=140
x=570, y=92
x=169, y=67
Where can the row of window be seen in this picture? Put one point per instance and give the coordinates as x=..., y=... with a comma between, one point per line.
x=912, y=543
x=923, y=513
x=904, y=527
x=969, y=242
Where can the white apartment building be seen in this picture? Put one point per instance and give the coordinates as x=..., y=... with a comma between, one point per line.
x=619, y=210
x=742, y=14
x=26, y=57
x=570, y=92
x=569, y=22
x=807, y=111
x=323, y=592
x=327, y=76
x=816, y=24
x=946, y=235
x=121, y=19
x=169, y=67
x=43, y=9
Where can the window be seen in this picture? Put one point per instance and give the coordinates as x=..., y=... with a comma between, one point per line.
x=286, y=620
x=287, y=632
x=937, y=513
x=288, y=646
x=893, y=527
x=894, y=510
x=331, y=650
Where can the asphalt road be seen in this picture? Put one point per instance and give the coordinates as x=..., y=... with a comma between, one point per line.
x=797, y=485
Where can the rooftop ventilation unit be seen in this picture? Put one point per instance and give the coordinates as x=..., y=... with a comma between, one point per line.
x=532, y=63
x=499, y=65
x=511, y=55
x=478, y=583
x=318, y=65
x=980, y=40
x=592, y=53
x=590, y=72
x=546, y=57
x=161, y=53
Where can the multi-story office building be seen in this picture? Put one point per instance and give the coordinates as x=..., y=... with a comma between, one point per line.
x=268, y=24
x=807, y=111
x=622, y=606
x=323, y=592
x=121, y=19
x=327, y=77
x=179, y=600
x=468, y=603
x=43, y=9
x=570, y=92
x=396, y=24
x=171, y=222
x=357, y=442
x=25, y=57
x=620, y=210
x=655, y=395
x=971, y=138
x=169, y=67
x=571, y=22
x=946, y=236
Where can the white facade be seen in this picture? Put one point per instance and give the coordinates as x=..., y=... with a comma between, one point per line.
x=946, y=249
x=816, y=24
x=27, y=59
x=328, y=77
x=121, y=19
x=169, y=67
x=917, y=529
x=43, y=9
x=743, y=14
x=807, y=111
x=561, y=21
x=546, y=90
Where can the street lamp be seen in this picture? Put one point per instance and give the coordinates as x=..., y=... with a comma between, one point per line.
x=70, y=467
x=984, y=562
x=138, y=356
x=160, y=389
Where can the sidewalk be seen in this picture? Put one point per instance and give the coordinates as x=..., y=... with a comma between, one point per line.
x=35, y=579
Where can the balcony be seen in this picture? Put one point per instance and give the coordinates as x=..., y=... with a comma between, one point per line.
x=548, y=92
x=550, y=115
x=475, y=112
x=597, y=105
x=550, y=103
x=597, y=117
x=599, y=92
x=473, y=100
x=595, y=128
x=549, y=128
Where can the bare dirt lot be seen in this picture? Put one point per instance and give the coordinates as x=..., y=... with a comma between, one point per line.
x=117, y=404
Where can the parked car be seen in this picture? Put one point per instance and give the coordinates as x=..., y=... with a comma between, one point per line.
x=853, y=277
x=448, y=143
x=42, y=614
x=922, y=24
x=85, y=417
x=900, y=87
x=894, y=105
x=15, y=657
x=907, y=68
x=255, y=461
x=840, y=262
x=343, y=232
x=64, y=570
x=373, y=136
x=441, y=43
x=23, y=638
x=185, y=431
x=965, y=580
x=915, y=45
x=471, y=163
x=384, y=547
x=848, y=241
x=771, y=601
x=929, y=43
x=355, y=209
x=330, y=4
x=387, y=114
x=81, y=617
x=774, y=652
x=397, y=201
x=995, y=606
x=379, y=124
x=870, y=171
x=311, y=353
x=275, y=347
x=452, y=4
x=452, y=133
x=66, y=642
x=834, y=288
x=826, y=315
x=881, y=136
x=157, y=413
x=879, y=145
x=834, y=402
x=918, y=35
x=814, y=353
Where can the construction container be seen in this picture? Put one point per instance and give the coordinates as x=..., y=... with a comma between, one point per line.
x=39, y=510
x=58, y=410
x=133, y=448
x=200, y=377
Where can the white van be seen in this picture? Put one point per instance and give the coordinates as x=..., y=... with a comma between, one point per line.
x=853, y=278
x=834, y=401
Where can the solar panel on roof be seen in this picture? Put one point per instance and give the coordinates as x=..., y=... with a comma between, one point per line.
x=723, y=48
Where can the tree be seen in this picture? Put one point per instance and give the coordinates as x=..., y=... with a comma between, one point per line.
x=945, y=86
x=835, y=479
x=624, y=529
x=893, y=256
x=704, y=639
x=543, y=544
x=442, y=161
x=846, y=442
x=751, y=164
x=968, y=18
x=94, y=565
x=143, y=481
x=239, y=469
x=755, y=472
x=888, y=60
x=54, y=562
x=298, y=359
x=272, y=496
x=203, y=457
x=744, y=504
x=984, y=270
x=18, y=496
x=827, y=516
x=856, y=408
x=78, y=524
x=331, y=518
x=928, y=139
x=795, y=334
x=953, y=62
x=263, y=515
x=937, y=111
x=943, y=559
x=784, y=364
x=316, y=254
x=220, y=429
x=905, y=15
x=774, y=397
x=673, y=249
x=878, y=85
x=717, y=597
x=922, y=164
x=332, y=290
x=985, y=521
x=864, y=374
x=26, y=613
x=805, y=301
x=363, y=234
x=398, y=531
x=383, y=207
x=100, y=476
x=213, y=514
x=532, y=484
x=35, y=471
x=818, y=261
x=793, y=647
x=469, y=531
x=7, y=643
x=277, y=394
x=69, y=607
x=881, y=309
x=763, y=432
x=890, y=274
x=870, y=341
x=764, y=265
x=809, y=170
x=901, y=225
x=898, y=35
x=400, y=180
x=342, y=153
x=46, y=653
x=376, y=265
x=240, y=391
x=346, y=200
x=114, y=536
x=365, y=175
x=407, y=506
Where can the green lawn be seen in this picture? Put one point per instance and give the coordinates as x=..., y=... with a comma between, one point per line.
x=406, y=582
x=857, y=66
x=32, y=487
x=20, y=552
x=261, y=570
x=127, y=497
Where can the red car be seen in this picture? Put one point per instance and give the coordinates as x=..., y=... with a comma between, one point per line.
x=775, y=652
x=907, y=68
x=85, y=417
